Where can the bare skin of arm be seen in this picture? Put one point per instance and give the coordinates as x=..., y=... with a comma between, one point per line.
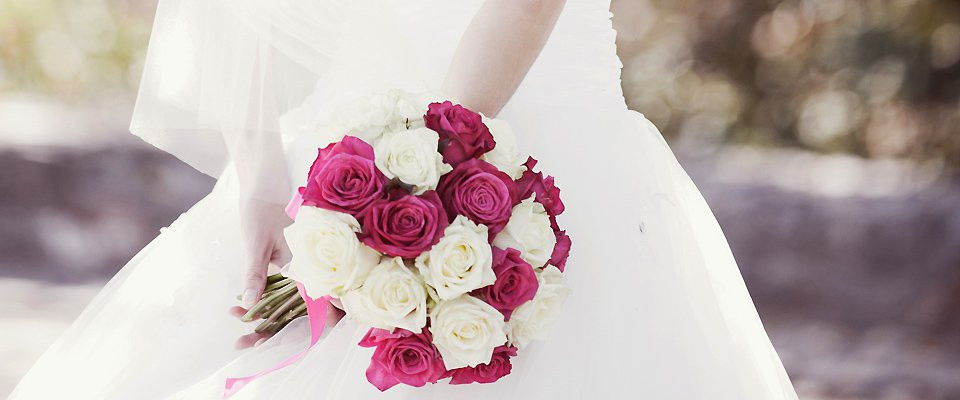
x=497, y=50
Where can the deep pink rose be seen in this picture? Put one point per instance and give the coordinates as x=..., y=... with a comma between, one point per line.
x=480, y=192
x=402, y=356
x=344, y=178
x=548, y=194
x=516, y=282
x=561, y=251
x=462, y=133
x=498, y=367
x=403, y=225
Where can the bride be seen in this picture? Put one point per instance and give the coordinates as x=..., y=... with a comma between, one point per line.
x=246, y=90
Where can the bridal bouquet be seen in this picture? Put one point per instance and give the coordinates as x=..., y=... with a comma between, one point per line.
x=426, y=224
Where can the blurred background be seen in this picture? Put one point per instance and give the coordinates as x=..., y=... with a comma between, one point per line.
x=824, y=133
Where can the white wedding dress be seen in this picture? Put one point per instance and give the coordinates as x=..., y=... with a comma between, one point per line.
x=658, y=307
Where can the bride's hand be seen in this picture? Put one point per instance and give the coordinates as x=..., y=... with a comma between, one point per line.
x=261, y=231
x=261, y=227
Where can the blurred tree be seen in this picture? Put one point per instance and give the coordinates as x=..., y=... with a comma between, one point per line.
x=877, y=78
x=72, y=49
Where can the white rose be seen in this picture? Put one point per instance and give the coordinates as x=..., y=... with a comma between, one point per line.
x=504, y=155
x=327, y=256
x=411, y=155
x=410, y=106
x=368, y=117
x=533, y=319
x=465, y=331
x=529, y=232
x=460, y=262
x=393, y=296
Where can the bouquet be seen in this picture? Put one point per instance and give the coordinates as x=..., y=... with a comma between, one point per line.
x=424, y=223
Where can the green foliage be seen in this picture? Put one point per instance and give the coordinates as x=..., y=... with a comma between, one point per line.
x=72, y=48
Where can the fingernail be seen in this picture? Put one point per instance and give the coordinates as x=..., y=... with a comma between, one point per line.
x=249, y=296
x=259, y=342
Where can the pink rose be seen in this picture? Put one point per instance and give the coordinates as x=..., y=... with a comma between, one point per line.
x=561, y=250
x=403, y=225
x=516, y=282
x=344, y=178
x=402, y=356
x=498, y=367
x=462, y=133
x=546, y=192
x=480, y=192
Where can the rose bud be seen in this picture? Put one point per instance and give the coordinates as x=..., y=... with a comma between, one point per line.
x=463, y=135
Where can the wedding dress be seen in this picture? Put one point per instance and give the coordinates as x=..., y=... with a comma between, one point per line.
x=658, y=308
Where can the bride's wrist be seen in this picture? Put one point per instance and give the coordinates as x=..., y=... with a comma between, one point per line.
x=261, y=222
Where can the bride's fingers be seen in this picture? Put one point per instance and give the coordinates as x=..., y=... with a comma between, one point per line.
x=281, y=253
x=256, y=280
x=334, y=315
x=237, y=311
x=250, y=340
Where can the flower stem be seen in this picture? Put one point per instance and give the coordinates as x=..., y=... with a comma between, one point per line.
x=278, y=295
x=275, y=278
x=273, y=326
x=277, y=284
x=286, y=306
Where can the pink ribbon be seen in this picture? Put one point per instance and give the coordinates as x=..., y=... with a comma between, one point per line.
x=294, y=205
x=317, y=315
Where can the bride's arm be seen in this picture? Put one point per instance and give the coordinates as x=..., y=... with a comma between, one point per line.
x=263, y=191
x=256, y=152
x=497, y=50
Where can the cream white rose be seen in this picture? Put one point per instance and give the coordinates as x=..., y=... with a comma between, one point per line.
x=368, y=117
x=393, y=296
x=412, y=156
x=460, y=262
x=529, y=232
x=327, y=256
x=533, y=319
x=465, y=331
x=504, y=155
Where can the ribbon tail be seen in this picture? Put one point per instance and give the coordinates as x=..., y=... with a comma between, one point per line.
x=294, y=205
x=317, y=317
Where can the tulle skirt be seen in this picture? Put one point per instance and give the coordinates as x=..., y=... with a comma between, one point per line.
x=658, y=308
